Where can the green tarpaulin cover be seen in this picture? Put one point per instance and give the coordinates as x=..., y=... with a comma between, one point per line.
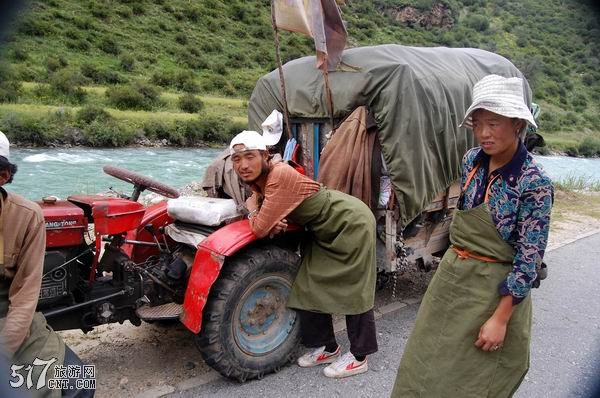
x=418, y=97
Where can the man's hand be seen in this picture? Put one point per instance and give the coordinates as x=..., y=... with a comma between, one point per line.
x=280, y=227
x=252, y=202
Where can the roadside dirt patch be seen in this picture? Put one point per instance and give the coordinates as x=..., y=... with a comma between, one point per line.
x=130, y=360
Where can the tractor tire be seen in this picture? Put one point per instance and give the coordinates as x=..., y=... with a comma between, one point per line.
x=247, y=330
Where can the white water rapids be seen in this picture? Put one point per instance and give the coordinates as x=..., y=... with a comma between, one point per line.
x=62, y=172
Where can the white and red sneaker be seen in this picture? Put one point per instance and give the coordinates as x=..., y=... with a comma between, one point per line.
x=345, y=366
x=318, y=357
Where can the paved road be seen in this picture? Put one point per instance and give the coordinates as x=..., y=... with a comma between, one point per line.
x=565, y=359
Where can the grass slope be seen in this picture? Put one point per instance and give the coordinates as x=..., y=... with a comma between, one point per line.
x=138, y=61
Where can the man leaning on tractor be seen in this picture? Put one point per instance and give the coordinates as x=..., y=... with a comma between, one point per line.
x=338, y=269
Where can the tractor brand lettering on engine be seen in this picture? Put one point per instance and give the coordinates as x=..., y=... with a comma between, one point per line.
x=60, y=224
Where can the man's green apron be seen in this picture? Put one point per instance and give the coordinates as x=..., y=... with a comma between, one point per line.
x=338, y=270
x=42, y=342
x=440, y=358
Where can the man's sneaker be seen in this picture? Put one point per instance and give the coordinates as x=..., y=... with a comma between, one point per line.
x=345, y=366
x=318, y=357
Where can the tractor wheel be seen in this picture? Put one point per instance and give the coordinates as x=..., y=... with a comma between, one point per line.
x=247, y=330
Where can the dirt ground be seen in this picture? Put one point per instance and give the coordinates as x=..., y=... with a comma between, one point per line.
x=130, y=360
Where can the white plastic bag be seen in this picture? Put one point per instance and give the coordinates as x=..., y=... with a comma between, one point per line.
x=202, y=210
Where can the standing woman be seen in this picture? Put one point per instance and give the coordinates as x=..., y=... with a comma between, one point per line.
x=473, y=329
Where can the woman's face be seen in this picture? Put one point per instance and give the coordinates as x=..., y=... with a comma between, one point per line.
x=497, y=135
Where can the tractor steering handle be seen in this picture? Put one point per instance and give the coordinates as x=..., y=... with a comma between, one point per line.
x=141, y=183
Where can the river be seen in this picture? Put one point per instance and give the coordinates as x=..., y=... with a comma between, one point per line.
x=62, y=172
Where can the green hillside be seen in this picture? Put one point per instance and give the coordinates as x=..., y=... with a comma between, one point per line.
x=109, y=73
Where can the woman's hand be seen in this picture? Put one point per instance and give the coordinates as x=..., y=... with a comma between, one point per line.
x=493, y=331
x=491, y=334
x=280, y=227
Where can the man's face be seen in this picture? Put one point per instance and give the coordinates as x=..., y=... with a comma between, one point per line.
x=4, y=176
x=250, y=165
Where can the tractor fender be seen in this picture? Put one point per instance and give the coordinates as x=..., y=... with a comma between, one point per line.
x=209, y=259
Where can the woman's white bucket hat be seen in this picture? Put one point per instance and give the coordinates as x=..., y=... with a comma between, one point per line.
x=500, y=95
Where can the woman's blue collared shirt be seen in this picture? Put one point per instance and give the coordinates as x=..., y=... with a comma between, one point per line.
x=520, y=201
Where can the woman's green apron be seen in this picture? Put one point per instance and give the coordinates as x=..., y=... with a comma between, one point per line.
x=337, y=274
x=440, y=358
x=41, y=342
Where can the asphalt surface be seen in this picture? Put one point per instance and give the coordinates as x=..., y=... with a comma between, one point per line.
x=565, y=357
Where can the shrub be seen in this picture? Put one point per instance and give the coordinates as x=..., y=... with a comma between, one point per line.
x=477, y=22
x=127, y=62
x=579, y=103
x=549, y=122
x=181, y=38
x=67, y=82
x=163, y=78
x=521, y=41
x=99, y=11
x=53, y=63
x=126, y=97
x=90, y=113
x=137, y=9
x=215, y=129
x=190, y=130
x=156, y=129
x=185, y=81
x=22, y=128
x=192, y=61
x=72, y=34
x=81, y=45
x=588, y=79
x=103, y=134
x=99, y=75
x=84, y=23
x=36, y=27
x=589, y=147
x=572, y=150
x=20, y=54
x=125, y=12
x=10, y=88
x=140, y=96
x=190, y=103
x=150, y=92
x=109, y=46
x=193, y=13
x=211, y=46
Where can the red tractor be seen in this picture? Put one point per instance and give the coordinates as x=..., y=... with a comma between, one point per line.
x=110, y=259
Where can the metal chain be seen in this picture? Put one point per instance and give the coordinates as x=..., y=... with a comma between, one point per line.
x=401, y=261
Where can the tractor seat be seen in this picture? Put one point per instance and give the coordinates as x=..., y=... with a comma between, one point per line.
x=202, y=210
x=196, y=217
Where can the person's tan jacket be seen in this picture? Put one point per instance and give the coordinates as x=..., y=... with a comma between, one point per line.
x=24, y=247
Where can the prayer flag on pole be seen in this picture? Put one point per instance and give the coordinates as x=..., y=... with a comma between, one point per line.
x=319, y=19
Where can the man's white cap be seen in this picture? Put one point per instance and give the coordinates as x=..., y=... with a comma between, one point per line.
x=4, y=146
x=272, y=128
x=251, y=140
x=500, y=95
